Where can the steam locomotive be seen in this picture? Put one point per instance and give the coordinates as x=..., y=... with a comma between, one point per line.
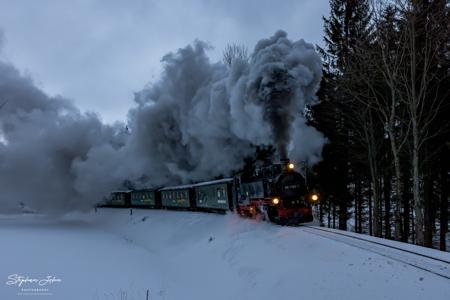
x=276, y=193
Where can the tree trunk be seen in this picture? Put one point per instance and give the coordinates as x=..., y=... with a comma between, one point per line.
x=343, y=214
x=380, y=206
x=418, y=203
x=359, y=207
x=428, y=209
x=356, y=206
x=321, y=212
x=413, y=232
x=334, y=214
x=374, y=176
x=376, y=207
x=444, y=203
x=406, y=211
x=387, y=204
x=370, y=209
x=398, y=201
x=329, y=212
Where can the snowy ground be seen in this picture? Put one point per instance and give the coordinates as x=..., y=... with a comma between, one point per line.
x=181, y=255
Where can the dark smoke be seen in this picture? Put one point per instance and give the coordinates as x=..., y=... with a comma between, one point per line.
x=201, y=118
x=197, y=122
x=286, y=75
x=277, y=98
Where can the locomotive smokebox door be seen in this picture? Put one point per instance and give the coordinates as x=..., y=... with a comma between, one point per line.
x=291, y=185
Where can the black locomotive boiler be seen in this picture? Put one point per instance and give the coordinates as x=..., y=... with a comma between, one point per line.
x=277, y=193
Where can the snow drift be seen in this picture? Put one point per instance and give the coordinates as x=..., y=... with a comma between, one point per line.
x=197, y=122
x=184, y=255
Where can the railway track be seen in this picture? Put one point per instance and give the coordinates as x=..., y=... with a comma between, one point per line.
x=438, y=266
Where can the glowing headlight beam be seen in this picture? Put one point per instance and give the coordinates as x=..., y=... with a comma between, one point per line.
x=314, y=197
x=275, y=201
x=291, y=166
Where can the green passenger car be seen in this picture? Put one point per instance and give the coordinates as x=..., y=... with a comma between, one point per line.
x=214, y=195
x=178, y=196
x=143, y=198
x=118, y=199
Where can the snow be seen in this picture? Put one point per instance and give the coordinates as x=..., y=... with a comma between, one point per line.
x=188, y=255
x=188, y=186
x=224, y=180
x=400, y=245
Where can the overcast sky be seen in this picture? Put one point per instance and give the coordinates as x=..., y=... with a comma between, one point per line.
x=98, y=53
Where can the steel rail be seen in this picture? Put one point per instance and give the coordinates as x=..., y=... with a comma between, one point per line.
x=405, y=261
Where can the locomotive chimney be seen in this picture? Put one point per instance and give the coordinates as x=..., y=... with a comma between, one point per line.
x=287, y=165
x=284, y=161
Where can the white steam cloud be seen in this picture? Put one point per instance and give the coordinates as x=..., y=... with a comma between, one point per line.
x=197, y=122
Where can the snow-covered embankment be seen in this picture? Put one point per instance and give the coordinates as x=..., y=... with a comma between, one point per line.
x=182, y=255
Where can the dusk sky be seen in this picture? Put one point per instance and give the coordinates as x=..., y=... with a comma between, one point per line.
x=98, y=53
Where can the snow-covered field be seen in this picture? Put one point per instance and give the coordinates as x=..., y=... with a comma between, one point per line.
x=182, y=255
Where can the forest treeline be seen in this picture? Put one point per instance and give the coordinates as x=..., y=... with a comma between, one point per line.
x=385, y=112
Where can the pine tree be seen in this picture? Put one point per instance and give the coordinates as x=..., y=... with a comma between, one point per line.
x=346, y=27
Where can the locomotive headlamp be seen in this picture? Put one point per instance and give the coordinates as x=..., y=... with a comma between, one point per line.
x=291, y=166
x=314, y=197
x=275, y=201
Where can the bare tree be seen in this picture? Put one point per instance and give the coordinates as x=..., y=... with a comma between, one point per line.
x=387, y=62
x=393, y=89
x=235, y=51
x=378, y=67
x=408, y=67
x=364, y=124
x=423, y=24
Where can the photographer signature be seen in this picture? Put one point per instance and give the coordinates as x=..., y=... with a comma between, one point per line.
x=19, y=280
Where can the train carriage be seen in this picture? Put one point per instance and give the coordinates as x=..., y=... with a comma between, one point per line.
x=177, y=197
x=144, y=198
x=119, y=198
x=216, y=195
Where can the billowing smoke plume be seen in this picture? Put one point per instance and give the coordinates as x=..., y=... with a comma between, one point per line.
x=284, y=77
x=197, y=122
x=201, y=118
x=44, y=144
